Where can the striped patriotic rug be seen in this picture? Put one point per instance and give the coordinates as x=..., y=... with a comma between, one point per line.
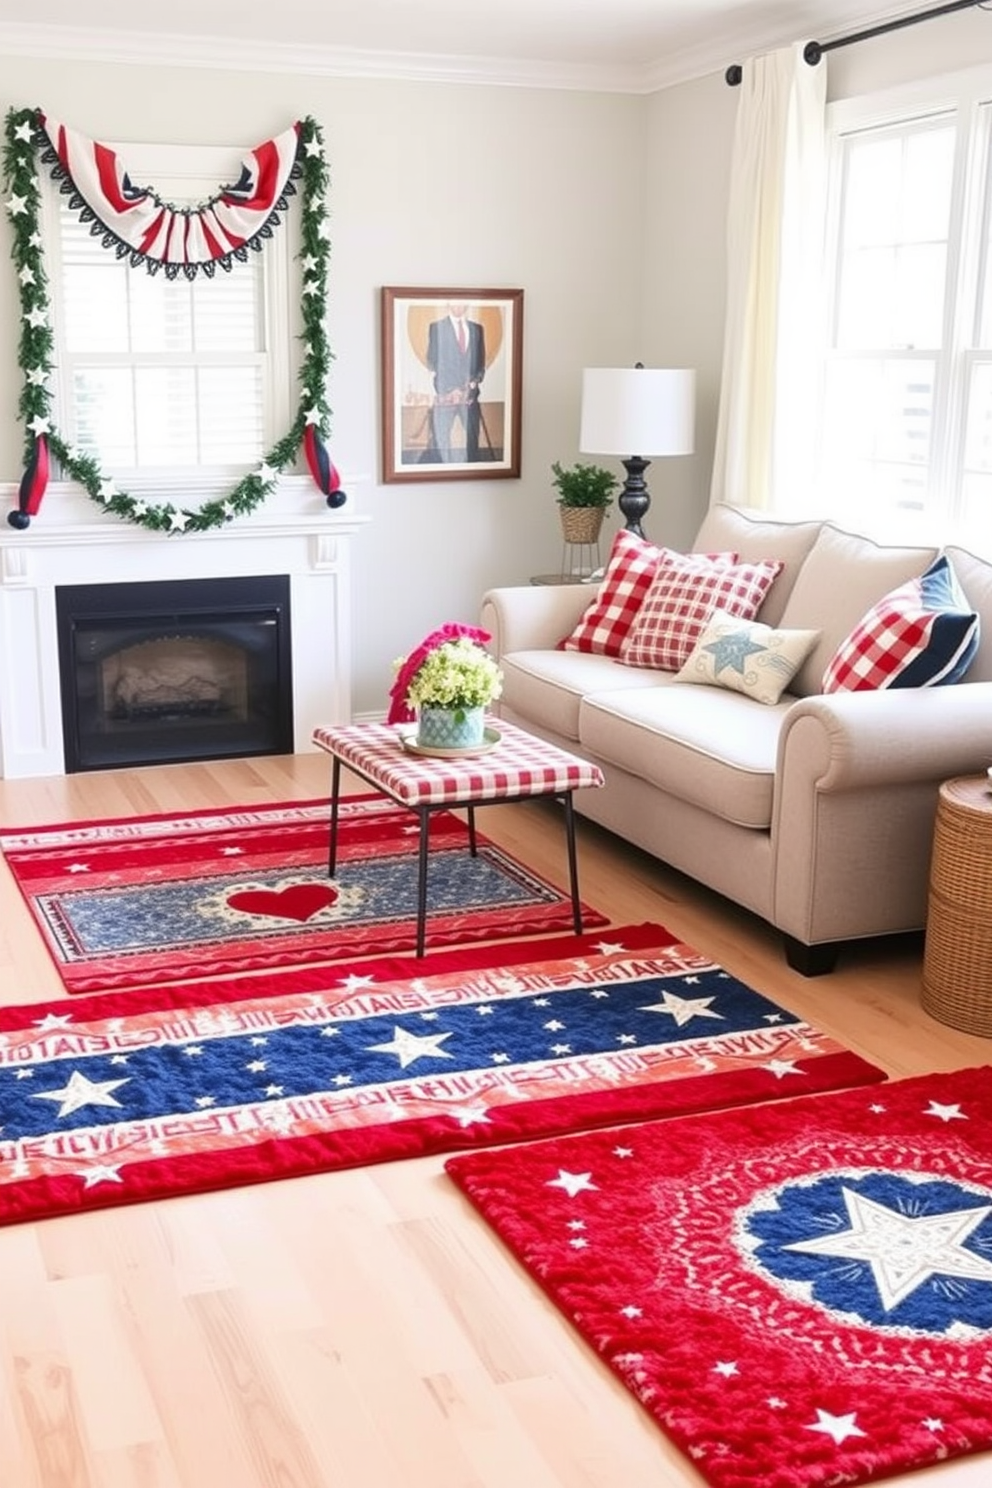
x=150, y=1093
x=154, y=899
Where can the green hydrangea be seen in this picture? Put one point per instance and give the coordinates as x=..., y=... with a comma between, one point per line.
x=457, y=674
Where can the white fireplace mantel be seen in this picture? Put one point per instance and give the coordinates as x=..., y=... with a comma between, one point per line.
x=71, y=541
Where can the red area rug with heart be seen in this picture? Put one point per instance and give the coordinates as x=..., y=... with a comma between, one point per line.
x=160, y=898
x=161, y=1091
x=800, y=1294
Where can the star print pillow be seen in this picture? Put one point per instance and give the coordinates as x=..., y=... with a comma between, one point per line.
x=746, y=656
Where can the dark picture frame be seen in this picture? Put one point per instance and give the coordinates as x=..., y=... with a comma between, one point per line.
x=452, y=364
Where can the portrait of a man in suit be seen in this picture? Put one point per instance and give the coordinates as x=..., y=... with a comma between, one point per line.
x=451, y=383
x=456, y=359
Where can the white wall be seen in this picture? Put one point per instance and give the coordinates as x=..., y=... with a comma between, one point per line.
x=431, y=184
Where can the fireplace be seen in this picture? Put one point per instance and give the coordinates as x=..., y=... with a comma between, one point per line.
x=72, y=543
x=186, y=669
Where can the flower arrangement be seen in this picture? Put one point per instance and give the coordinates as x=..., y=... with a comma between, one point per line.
x=449, y=669
x=457, y=675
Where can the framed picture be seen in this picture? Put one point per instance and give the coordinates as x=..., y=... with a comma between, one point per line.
x=451, y=375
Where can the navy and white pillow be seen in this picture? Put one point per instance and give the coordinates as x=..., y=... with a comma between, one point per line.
x=922, y=634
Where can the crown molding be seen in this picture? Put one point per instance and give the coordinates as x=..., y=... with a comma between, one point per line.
x=223, y=53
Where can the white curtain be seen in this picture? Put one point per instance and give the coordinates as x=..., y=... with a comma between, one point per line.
x=774, y=287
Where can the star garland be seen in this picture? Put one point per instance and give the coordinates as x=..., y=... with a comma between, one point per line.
x=23, y=137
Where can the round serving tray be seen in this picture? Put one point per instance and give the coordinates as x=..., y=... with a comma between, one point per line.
x=490, y=738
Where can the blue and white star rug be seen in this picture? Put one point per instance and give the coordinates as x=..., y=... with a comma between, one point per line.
x=144, y=900
x=800, y=1294
x=145, y=1094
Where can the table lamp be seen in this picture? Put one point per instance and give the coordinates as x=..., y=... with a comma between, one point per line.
x=650, y=409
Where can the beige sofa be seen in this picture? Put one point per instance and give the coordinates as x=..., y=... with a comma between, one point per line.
x=815, y=812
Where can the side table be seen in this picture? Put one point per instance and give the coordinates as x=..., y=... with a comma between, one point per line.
x=957, y=955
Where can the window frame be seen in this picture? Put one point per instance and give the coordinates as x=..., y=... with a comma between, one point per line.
x=963, y=99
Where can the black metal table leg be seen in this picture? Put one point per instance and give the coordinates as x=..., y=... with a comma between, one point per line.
x=425, y=834
x=471, y=831
x=332, y=856
x=573, y=867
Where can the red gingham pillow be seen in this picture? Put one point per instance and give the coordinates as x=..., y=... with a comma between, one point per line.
x=922, y=634
x=683, y=595
x=629, y=570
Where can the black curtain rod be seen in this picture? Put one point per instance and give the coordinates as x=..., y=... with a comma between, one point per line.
x=814, y=50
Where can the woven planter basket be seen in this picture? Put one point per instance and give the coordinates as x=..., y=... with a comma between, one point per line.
x=581, y=524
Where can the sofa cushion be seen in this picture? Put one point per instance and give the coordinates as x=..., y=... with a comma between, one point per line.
x=631, y=566
x=975, y=575
x=922, y=634
x=747, y=656
x=713, y=749
x=756, y=535
x=683, y=595
x=843, y=576
x=546, y=688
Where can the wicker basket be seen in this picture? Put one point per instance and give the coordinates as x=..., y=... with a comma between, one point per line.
x=581, y=524
x=957, y=956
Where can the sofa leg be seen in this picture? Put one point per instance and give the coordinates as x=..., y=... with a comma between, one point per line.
x=811, y=960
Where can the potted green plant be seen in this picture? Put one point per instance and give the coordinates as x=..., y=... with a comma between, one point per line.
x=584, y=494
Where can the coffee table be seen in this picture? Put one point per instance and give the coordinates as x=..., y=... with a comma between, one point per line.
x=513, y=766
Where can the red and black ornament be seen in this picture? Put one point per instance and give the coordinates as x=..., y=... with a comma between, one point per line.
x=33, y=484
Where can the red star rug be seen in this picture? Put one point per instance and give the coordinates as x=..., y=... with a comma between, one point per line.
x=142, y=1095
x=149, y=899
x=800, y=1294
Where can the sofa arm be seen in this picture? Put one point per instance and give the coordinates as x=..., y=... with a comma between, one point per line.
x=532, y=617
x=855, y=794
x=852, y=740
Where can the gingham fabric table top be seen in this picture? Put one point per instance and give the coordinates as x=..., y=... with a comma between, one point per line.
x=518, y=766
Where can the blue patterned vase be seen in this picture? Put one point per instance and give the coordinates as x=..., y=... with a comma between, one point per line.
x=450, y=728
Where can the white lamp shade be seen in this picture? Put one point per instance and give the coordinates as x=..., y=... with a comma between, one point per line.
x=642, y=411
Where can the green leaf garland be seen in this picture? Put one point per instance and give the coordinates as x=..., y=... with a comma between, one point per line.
x=23, y=138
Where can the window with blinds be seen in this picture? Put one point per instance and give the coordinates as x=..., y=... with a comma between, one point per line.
x=174, y=380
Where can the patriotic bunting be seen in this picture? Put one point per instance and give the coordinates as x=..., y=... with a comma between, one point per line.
x=136, y=224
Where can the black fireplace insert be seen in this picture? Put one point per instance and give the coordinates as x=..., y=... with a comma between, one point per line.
x=187, y=669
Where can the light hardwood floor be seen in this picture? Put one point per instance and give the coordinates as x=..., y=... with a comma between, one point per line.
x=360, y=1329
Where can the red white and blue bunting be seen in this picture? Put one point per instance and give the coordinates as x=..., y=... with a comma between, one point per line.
x=136, y=224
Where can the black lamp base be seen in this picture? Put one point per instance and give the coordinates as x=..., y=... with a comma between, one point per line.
x=634, y=499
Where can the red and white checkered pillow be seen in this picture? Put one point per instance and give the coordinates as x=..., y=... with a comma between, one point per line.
x=631, y=566
x=683, y=595
x=922, y=634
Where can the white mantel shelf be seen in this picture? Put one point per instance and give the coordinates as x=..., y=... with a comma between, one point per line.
x=71, y=541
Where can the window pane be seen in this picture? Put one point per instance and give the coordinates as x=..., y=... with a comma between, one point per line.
x=878, y=422
x=165, y=400
x=94, y=310
x=230, y=400
x=104, y=408
x=893, y=255
x=161, y=312
x=143, y=359
x=978, y=427
x=226, y=310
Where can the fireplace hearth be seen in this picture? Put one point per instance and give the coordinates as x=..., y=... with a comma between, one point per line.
x=178, y=670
